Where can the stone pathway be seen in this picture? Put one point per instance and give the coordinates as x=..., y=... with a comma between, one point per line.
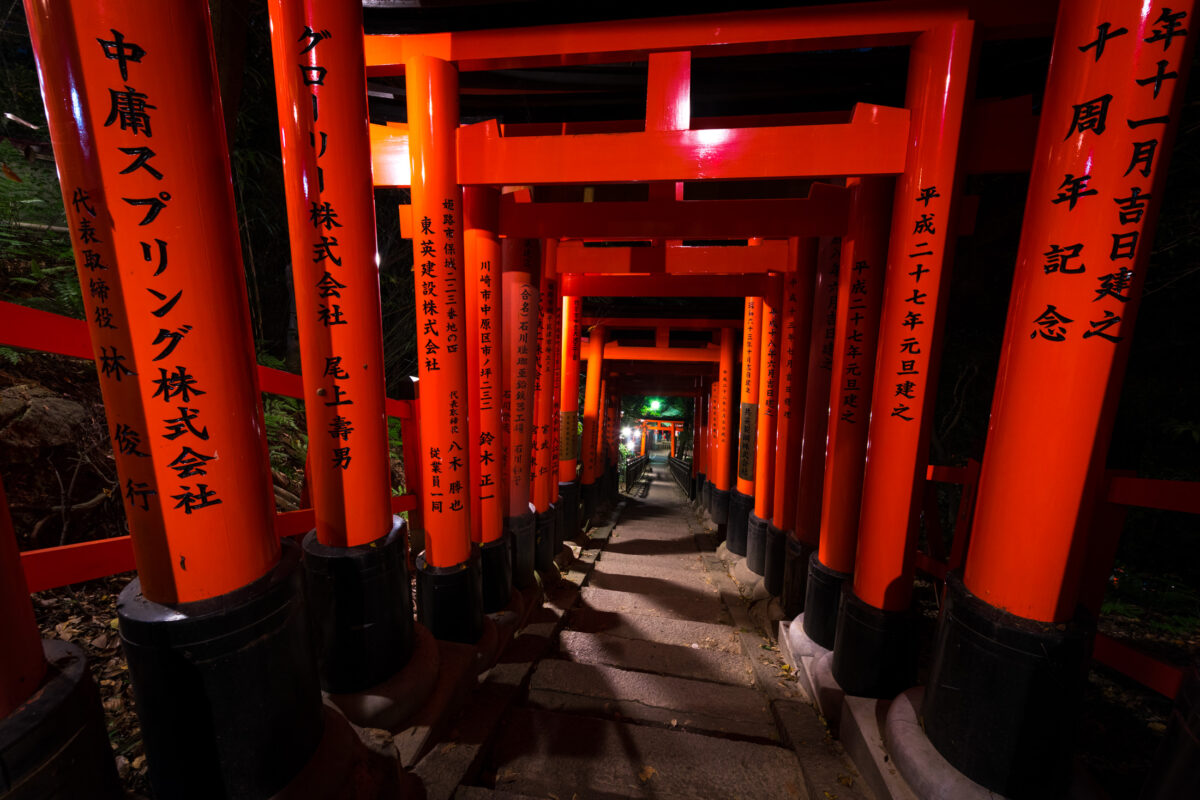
x=657, y=685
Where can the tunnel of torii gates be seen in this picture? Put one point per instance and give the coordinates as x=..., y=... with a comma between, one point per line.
x=834, y=358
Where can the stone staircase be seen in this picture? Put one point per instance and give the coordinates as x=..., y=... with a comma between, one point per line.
x=654, y=684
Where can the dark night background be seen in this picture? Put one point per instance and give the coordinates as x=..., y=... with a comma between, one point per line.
x=1154, y=597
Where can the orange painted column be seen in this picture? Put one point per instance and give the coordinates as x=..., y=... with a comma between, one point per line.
x=591, y=420
x=543, y=461
x=1113, y=101
x=166, y=308
x=481, y=245
x=24, y=663
x=864, y=258
x=723, y=433
x=135, y=117
x=520, y=263
x=794, y=332
x=741, y=501
x=448, y=578
x=485, y=371
x=568, y=416
x=768, y=400
x=544, y=488
x=873, y=653
x=811, y=468
x=331, y=223
x=319, y=66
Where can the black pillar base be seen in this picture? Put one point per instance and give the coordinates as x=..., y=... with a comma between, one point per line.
x=697, y=487
x=821, y=602
x=56, y=744
x=495, y=567
x=568, y=506
x=544, y=539
x=874, y=653
x=589, y=494
x=756, y=544
x=522, y=534
x=706, y=496
x=719, y=508
x=450, y=600
x=360, y=602
x=795, y=575
x=1004, y=694
x=740, y=506
x=614, y=483
x=774, y=560
x=227, y=689
x=1176, y=768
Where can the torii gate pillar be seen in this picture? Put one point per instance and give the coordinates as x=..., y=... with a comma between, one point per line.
x=1113, y=101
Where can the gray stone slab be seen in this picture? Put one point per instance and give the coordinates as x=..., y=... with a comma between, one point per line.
x=827, y=771
x=653, y=568
x=678, y=561
x=672, y=583
x=692, y=604
x=664, y=630
x=674, y=702
x=662, y=659
x=652, y=547
x=543, y=753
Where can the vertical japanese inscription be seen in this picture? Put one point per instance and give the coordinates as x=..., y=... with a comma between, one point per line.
x=144, y=185
x=1094, y=268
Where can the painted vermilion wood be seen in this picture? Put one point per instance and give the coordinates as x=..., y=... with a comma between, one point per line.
x=140, y=149
x=544, y=467
x=591, y=405
x=1103, y=142
x=519, y=261
x=864, y=257
x=446, y=471
x=917, y=277
x=794, y=332
x=745, y=414
x=724, y=431
x=568, y=424
x=768, y=402
x=318, y=59
x=811, y=472
x=731, y=33
x=485, y=366
x=23, y=665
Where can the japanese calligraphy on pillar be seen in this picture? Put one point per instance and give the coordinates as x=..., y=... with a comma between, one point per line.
x=541, y=462
x=145, y=187
x=829, y=326
x=788, y=384
x=317, y=52
x=568, y=419
x=490, y=386
x=1114, y=135
x=857, y=351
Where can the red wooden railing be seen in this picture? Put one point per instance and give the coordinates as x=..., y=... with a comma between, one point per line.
x=51, y=567
x=1122, y=490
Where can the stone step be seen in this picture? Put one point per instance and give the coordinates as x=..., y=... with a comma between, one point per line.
x=546, y=754
x=673, y=702
x=652, y=547
x=669, y=583
x=653, y=567
x=662, y=659
x=665, y=630
x=683, y=561
x=694, y=603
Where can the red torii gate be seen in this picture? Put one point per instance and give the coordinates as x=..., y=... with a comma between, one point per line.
x=873, y=141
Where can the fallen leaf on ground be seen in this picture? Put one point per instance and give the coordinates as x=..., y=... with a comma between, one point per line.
x=647, y=773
